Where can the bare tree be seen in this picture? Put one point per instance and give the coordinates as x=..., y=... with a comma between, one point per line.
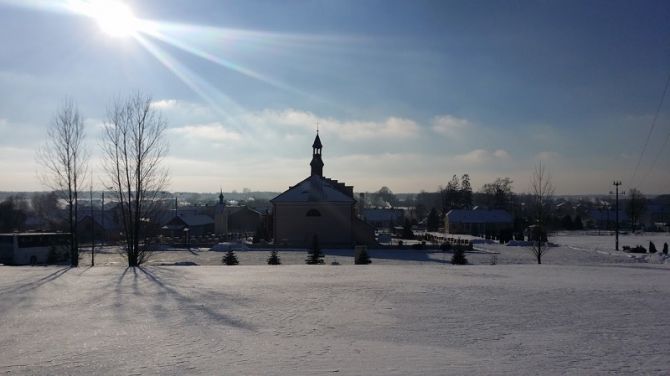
x=541, y=191
x=134, y=147
x=64, y=162
x=498, y=195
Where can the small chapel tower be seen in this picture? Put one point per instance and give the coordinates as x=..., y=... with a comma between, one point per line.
x=221, y=216
x=317, y=163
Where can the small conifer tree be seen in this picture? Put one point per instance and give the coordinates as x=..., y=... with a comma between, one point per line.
x=458, y=258
x=230, y=258
x=362, y=257
x=274, y=258
x=652, y=247
x=665, y=248
x=314, y=255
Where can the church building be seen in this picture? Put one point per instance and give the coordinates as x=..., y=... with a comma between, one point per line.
x=319, y=206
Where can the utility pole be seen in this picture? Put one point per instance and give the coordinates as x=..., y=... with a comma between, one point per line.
x=102, y=218
x=92, y=227
x=616, y=184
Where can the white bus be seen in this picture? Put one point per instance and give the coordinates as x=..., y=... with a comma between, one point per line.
x=34, y=248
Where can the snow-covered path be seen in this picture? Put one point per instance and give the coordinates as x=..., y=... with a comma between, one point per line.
x=425, y=319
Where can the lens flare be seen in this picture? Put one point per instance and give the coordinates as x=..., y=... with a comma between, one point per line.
x=115, y=18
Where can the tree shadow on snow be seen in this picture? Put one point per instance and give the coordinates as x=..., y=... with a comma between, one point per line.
x=29, y=284
x=410, y=255
x=23, y=294
x=199, y=301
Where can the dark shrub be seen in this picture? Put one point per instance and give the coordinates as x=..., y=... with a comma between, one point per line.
x=458, y=257
x=274, y=258
x=665, y=248
x=638, y=249
x=361, y=256
x=314, y=255
x=230, y=258
x=652, y=247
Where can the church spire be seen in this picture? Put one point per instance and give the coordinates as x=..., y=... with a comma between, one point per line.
x=317, y=163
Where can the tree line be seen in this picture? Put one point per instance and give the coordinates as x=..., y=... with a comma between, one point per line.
x=499, y=194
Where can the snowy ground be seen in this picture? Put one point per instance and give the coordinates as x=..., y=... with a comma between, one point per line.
x=583, y=312
x=572, y=249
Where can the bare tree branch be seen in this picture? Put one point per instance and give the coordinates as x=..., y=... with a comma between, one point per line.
x=64, y=162
x=134, y=148
x=541, y=192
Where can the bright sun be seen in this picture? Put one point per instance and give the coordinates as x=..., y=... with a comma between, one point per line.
x=114, y=18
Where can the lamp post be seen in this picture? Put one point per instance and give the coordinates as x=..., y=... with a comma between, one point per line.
x=188, y=239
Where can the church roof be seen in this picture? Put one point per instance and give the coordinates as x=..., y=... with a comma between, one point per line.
x=317, y=142
x=195, y=219
x=317, y=189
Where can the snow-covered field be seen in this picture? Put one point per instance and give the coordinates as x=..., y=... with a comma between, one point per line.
x=583, y=312
x=572, y=249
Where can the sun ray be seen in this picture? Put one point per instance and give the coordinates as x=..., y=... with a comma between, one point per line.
x=220, y=102
x=153, y=30
x=205, y=42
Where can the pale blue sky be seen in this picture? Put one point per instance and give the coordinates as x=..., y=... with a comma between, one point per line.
x=407, y=93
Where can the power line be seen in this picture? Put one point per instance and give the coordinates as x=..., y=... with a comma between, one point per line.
x=651, y=127
x=658, y=155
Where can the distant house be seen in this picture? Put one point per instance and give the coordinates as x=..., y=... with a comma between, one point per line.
x=477, y=222
x=244, y=220
x=383, y=218
x=197, y=225
x=100, y=226
x=218, y=219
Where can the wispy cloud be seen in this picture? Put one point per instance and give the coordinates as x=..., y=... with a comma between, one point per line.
x=164, y=104
x=450, y=126
x=213, y=132
x=390, y=128
x=480, y=156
